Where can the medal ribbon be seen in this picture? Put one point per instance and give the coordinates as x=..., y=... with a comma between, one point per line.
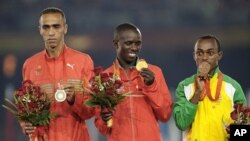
x=218, y=88
x=138, y=78
x=207, y=90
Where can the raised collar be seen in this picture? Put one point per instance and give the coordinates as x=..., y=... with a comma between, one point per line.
x=213, y=72
x=64, y=49
x=117, y=63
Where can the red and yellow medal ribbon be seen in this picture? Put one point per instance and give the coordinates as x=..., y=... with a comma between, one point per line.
x=207, y=90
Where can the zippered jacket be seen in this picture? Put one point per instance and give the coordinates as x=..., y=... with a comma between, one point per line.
x=70, y=67
x=136, y=118
x=207, y=120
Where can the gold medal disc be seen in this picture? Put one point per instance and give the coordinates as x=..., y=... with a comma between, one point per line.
x=141, y=64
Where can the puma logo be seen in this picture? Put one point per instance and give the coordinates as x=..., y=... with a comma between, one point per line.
x=70, y=65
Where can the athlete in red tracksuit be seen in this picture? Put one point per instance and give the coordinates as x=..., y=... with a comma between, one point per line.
x=136, y=118
x=60, y=65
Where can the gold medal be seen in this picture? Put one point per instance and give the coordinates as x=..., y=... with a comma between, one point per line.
x=60, y=95
x=141, y=64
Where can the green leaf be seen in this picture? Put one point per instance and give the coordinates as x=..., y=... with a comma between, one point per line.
x=91, y=103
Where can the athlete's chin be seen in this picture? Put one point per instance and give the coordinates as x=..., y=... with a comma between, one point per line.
x=131, y=59
x=52, y=46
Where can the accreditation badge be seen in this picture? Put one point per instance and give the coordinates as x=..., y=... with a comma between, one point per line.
x=60, y=95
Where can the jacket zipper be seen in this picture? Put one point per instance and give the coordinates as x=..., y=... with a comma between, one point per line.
x=131, y=109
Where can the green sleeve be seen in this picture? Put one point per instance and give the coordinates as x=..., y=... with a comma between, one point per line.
x=184, y=111
x=239, y=96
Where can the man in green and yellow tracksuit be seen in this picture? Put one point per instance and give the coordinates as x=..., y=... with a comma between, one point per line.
x=205, y=100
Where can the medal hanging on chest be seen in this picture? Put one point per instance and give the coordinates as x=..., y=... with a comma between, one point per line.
x=218, y=88
x=60, y=94
x=207, y=92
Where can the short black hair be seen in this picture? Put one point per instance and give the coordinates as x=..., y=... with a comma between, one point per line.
x=124, y=27
x=205, y=37
x=53, y=10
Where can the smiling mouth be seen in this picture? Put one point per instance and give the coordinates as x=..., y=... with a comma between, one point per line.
x=132, y=54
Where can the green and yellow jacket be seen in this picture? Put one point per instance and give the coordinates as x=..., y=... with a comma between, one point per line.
x=206, y=121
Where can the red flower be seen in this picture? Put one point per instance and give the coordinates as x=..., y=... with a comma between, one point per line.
x=239, y=107
x=105, y=77
x=241, y=114
x=21, y=108
x=31, y=105
x=118, y=84
x=105, y=90
x=19, y=92
x=247, y=111
x=37, y=92
x=98, y=70
x=234, y=115
x=95, y=89
x=110, y=91
x=26, y=83
x=111, y=74
x=92, y=80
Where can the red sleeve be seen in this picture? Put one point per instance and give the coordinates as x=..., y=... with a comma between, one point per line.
x=78, y=107
x=159, y=97
x=24, y=71
x=100, y=124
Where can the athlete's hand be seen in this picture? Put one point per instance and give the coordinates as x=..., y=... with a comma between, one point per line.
x=27, y=127
x=148, y=75
x=70, y=91
x=106, y=114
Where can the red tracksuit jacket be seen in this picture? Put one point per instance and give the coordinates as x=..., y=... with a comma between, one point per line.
x=70, y=67
x=136, y=118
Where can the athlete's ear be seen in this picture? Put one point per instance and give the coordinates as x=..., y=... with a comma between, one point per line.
x=40, y=31
x=65, y=28
x=220, y=55
x=115, y=44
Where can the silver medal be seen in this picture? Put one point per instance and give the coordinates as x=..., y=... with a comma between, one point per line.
x=60, y=95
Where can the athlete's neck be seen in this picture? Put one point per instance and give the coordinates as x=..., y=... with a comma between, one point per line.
x=55, y=53
x=126, y=65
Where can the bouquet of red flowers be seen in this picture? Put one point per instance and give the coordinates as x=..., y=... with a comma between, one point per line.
x=106, y=91
x=240, y=115
x=30, y=105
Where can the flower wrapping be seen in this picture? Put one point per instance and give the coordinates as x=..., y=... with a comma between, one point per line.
x=31, y=105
